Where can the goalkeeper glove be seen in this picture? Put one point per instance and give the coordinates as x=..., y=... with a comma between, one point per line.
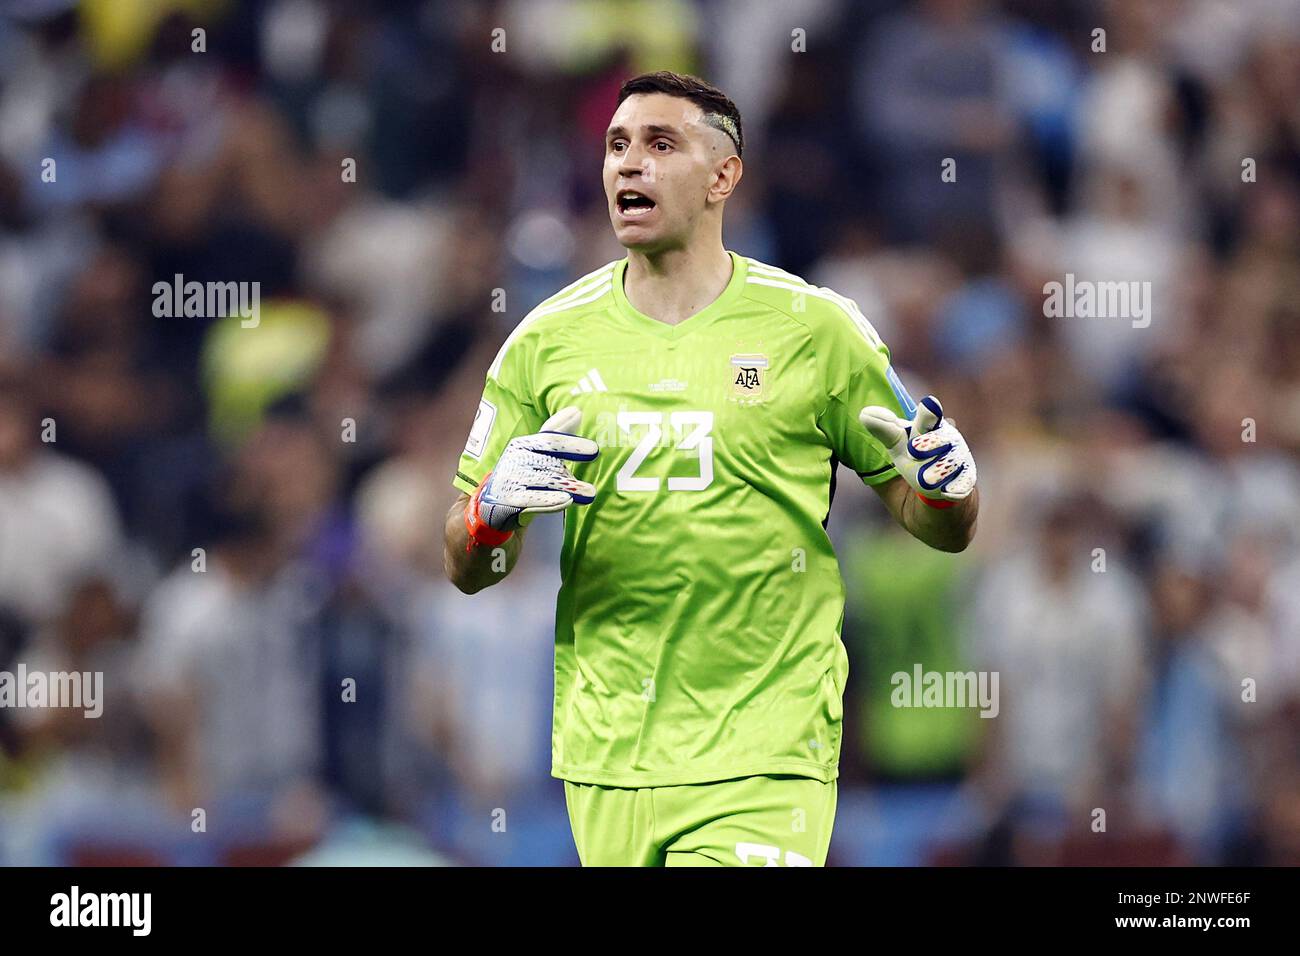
x=530, y=478
x=928, y=451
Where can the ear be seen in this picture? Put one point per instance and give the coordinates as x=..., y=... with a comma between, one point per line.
x=726, y=177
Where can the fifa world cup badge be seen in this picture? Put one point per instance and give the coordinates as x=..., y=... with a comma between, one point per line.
x=747, y=375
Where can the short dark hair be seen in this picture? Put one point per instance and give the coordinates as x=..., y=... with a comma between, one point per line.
x=719, y=111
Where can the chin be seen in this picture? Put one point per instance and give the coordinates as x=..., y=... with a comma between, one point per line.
x=638, y=244
x=640, y=240
x=635, y=242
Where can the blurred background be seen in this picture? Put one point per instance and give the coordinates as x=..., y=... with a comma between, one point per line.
x=1171, y=448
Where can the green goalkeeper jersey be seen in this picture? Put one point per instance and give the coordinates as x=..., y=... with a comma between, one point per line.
x=697, y=631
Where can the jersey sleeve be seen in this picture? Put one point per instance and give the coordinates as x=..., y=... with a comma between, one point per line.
x=506, y=410
x=856, y=369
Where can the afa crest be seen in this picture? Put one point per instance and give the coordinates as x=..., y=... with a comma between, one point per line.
x=748, y=376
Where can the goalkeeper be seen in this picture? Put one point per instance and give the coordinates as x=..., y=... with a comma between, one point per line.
x=699, y=671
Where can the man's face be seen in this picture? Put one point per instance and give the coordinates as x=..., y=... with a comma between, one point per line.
x=661, y=170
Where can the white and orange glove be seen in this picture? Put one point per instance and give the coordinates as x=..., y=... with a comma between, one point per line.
x=928, y=451
x=531, y=478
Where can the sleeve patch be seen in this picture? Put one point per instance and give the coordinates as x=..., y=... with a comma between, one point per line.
x=900, y=392
x=482, y=428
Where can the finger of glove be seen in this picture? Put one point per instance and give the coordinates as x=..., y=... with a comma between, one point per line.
x=933, y=475
x=555, y=479
x=929, y=413
x=961, y=486
x=568, y=419
x=883, y=425
x=560, y=445
x=951, y=477
x=528, y=514
x=582, y=492
x=531, y=499
x=933, y=444
x=567, y=422
x=578, y=493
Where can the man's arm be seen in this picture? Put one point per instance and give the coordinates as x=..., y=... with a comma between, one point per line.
x=474, y=568
x=947, y=529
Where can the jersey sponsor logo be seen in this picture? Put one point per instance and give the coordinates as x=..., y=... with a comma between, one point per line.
x=482, y=427
x=748, y=373
x=668, y=385
x=591, y=382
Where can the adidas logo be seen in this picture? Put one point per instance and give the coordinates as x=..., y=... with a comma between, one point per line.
x=591, y=382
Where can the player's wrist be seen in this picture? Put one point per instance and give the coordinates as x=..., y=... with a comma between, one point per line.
x=480, y=532
x=940, y=503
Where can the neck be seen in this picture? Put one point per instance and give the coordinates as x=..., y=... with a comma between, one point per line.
x=674, y=284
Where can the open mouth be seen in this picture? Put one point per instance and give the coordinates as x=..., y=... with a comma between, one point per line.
x=632, y=203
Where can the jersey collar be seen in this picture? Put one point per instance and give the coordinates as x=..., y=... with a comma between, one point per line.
x=730, y=295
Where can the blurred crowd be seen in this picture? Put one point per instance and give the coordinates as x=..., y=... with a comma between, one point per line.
x=241, y=528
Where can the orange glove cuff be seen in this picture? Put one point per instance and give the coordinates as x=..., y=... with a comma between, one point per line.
x=481, y=532
x=935, y=502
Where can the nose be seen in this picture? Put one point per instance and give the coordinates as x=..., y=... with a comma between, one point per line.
x=634, y=160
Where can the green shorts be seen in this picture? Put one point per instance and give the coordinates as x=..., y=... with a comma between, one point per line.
x=750, y=821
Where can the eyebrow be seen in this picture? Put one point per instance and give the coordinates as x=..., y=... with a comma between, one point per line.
x=653, y=128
